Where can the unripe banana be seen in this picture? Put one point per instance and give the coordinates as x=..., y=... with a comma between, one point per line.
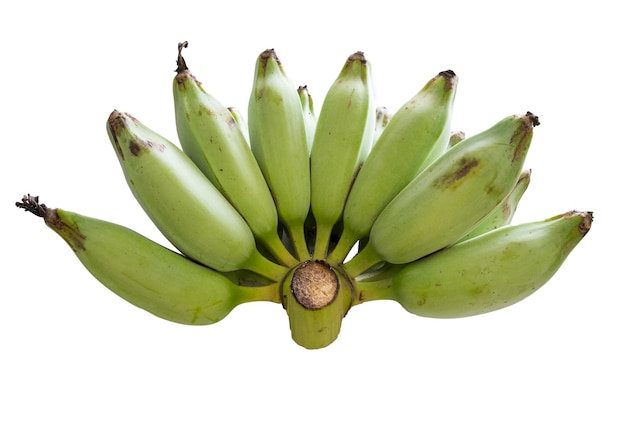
x=491, y=271
x=210, y=136
x=502, y=215
x=190, y=212
x=279, y=142
x=145, y=273
x=450, y=197
x=416, y=135
x=310, y=118
x=343, y=137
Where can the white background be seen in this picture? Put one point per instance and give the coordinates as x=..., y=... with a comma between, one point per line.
x=74, y=352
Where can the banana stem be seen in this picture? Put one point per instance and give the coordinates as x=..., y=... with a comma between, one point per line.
x=362, y=261
x=248, y=294
x=298, y=241
x=373, y=290
x=265, y=267
x=322, y=239
x=343, y=247
x=377, y=285
x=276, y=247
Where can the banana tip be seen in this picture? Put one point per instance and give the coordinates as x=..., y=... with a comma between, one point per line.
x=586, y=219
x=31, y=204
x=181, y=66
x=585, y=224
x=269, y=54
x=534, y=119
x=358, y=56
x=450, y=78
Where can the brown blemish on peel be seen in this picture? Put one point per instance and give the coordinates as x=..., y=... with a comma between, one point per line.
x=71, y=234
x=521, y=138
x=117, y=123
x=585, y=223
x=141, y=144
x=464, y=168
x=506, y=210
x=134, y=148
x=112, y=132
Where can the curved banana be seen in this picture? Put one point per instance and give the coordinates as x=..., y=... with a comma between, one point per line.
x=145, y=273
x=343, y=137
x=310, y=118
x=502, y=215
x=486, y=273
x=211, y=137
x=416, y=135
x=279, y=142
x=450, y=197
x=190, y=212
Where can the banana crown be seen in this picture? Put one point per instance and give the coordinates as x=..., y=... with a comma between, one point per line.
x=320, y=212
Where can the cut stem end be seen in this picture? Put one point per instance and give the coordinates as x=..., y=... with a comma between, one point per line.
x=314, y=285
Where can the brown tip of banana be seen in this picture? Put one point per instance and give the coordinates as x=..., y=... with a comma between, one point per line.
x=585, y=224
x=181, y=66
x=269, y=54
x=533, y=119
x=450, y=78
x=31, y=204
x=358, y=56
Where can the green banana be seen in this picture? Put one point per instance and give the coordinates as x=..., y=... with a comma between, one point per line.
x=502, y=215
x=145, y=273
x=310, y=118
x=450, y=197
x=499, y=216
x=192, y=214
x=416, y=135
x=343, y=137
x=279, y=142
x=210, y=136
x=482, y=274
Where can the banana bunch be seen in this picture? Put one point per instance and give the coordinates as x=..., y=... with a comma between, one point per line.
x=320, y=212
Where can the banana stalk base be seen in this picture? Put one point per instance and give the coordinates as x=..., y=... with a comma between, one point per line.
x=316, y=298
